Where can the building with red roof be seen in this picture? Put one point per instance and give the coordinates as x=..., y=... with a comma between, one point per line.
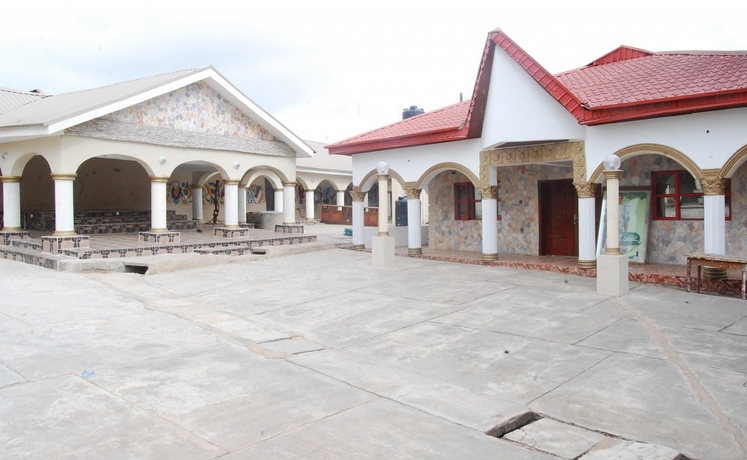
x=518, y=167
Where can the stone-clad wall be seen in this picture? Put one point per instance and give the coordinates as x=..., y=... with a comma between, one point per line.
x=195, y=108
x=518, y=229
x=736, y=228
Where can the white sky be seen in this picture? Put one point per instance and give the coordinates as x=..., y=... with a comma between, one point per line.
x=329, y=70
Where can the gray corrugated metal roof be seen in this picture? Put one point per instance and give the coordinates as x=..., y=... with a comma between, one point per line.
x=12, y=99
x=59, y=107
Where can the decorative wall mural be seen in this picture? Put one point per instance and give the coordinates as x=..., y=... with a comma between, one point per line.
x=255, y=194
x=179, y=192
x=325, y=195
x=208, y=192
x=300, y=194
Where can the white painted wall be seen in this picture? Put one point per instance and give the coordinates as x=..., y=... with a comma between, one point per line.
x=412, y=162
x=707, y=138
x=519, y=109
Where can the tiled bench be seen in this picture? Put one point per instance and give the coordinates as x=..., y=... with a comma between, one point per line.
x=718, y=261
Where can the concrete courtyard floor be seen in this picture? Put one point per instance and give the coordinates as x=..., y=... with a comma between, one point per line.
x=320, y=355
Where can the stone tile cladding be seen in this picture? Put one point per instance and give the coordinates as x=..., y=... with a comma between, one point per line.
x=196, y=108
x=736, y=228
x=518, y=229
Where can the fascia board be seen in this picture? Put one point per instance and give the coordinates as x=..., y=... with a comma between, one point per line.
x=62, y=124
x=269, y=123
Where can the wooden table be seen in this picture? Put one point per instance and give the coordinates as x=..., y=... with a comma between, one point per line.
x=719, y=261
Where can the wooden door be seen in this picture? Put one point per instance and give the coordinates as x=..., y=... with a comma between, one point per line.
x=558, y=218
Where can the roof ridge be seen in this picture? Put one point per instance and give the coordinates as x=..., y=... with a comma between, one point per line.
x=195, y=69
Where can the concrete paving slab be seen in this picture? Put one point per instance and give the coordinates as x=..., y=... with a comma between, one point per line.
x=539, y=322
x=434, y=289
x=710, y=348
x=677, y=308
x=571, y=299
x=628, y=450
x=353, y=317
x=70, y=418
x=629, y=395
x=625, y=336
x=237, y=326
x=384, y=429
x=228, y=395
x=292, y=346
x=729, y=389
x=738, y=328
x=608, y=308
x=9, y=377
x=555, y=438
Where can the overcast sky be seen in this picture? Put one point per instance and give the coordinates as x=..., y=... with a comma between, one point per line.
x=331, y=69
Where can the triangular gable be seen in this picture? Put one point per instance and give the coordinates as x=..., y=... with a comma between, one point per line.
x=54, y=114
x=623, y=53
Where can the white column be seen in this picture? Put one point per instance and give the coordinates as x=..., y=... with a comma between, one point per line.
x=383, y=205
x=414, y=243
x=587, y=257
x=289, y=202
x=279, y=200
x=11, y=203
x=310, y=207
x=613, y=212
x=714, y=224
x=158, y=204
x=231, y=200
x=64, y=222
x=489, y=228
x=341, y=198
x=359, y=240
x=197, y=204
x=242, y=205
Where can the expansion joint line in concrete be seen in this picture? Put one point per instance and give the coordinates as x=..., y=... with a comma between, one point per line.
x=699, y=391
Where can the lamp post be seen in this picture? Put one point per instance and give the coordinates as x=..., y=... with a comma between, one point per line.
x=612, y=266
x=382, y=245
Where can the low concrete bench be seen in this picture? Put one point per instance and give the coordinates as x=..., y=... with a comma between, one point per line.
x=713, y=260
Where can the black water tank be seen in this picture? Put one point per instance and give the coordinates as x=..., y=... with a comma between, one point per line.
x=411, y=112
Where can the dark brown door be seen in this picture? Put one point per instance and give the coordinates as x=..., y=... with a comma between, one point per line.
x=558, y=218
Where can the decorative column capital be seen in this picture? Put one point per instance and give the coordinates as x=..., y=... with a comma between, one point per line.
x=357, y=195
x=63, y=176
x=613, y=173
x=383, y=177
x=489, y=192
x=159, y=179
x=713, y=183
x=412, y=193
x=5, y=179
x=586, y=189
x=231, y=182
x=289, y=184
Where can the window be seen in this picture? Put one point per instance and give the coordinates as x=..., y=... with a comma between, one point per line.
x=467, y=201
x=679, y=196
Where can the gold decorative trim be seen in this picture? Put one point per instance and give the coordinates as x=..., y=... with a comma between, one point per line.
x=731, y=165
x=414, y=251
x=587, y=264
x=159, y=178
x=286, y=183
x=489, y=257
x=713, y=182
x=65, y=233
x=357, y=195
x=63, y=177
x=413, y=193
x=612, y=174
x=231, y=182
x=368, y=177
x=5, y=179
x=561, y=151
x=448, y=166
x=586, y=189
x=640, y=149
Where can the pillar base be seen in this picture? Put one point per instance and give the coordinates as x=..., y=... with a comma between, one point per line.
x=612, y=274
x=414, y=251
x=359, y=247
x=714, y=273
x=382, y=251
x=489, y=257
x=587, y=264
x=230, y=232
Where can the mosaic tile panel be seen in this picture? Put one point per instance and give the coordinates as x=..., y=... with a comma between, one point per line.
x=289, y=228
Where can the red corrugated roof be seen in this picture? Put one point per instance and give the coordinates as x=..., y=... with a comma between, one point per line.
x=442, y=125
x=624, y=84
